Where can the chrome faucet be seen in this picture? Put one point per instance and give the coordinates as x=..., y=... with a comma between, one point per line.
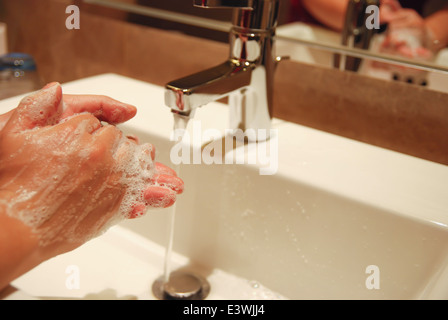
x=355, y=33
x=246, y=78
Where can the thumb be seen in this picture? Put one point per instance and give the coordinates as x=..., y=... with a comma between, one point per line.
x=38, y=109
x=388, y=10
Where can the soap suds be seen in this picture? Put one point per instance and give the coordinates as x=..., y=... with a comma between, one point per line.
x=46, y=206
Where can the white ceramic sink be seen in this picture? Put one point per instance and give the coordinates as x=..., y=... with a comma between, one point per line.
x=335, y=209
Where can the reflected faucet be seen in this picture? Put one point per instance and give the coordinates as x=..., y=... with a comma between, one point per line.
x=355, y=33
x=246, y=78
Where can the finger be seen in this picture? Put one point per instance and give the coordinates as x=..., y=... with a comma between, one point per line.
x=37, y=109
x=137, y=211
x=388, y=9
x=72, y=135
x=405, y=51
x=169, y=181
x=391, y=4
x=159, y=197
x=397, y=44
x=133, y=138
x=79, y=124
x=406, y=18
x=163, y=169
x=150, y=150
x=105, y=139
x=104, y=108
x=423, y=53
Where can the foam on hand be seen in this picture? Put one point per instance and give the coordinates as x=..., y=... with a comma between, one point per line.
x=138, y=169
x=57, y=182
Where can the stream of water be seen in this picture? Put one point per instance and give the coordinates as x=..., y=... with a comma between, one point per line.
x=180, y=122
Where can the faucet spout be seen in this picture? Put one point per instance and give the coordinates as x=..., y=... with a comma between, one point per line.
x=246, y=78
x=355, y=33
x=188, y=93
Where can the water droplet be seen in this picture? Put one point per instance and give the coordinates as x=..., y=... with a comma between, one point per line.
x=301, y=208
x=254, y=284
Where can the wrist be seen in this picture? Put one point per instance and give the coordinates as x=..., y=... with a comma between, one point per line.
x=18, y=248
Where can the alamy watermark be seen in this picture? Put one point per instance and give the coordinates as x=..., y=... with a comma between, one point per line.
x=210, y=147
x=373, y=278
x=73, y=280
x=373, y=20
x=73, y=20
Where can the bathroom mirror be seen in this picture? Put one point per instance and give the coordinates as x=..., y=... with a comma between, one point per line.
x=303, y=38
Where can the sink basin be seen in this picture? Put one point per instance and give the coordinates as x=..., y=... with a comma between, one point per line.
x=339, y=219
x=122, y=265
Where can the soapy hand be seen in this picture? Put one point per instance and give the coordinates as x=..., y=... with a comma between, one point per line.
x=407, y=33
x=67, y=176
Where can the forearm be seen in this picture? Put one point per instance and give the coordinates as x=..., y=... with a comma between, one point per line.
x=437, y=25
x=18, y=249
x=330, y=13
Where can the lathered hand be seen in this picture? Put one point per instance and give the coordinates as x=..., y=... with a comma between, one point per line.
x=66, y=177
x=408, y=35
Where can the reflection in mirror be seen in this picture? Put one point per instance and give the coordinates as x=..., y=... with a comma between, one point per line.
x=415, y=31
x=413, y=26
x=358, y=31
x=408, y=44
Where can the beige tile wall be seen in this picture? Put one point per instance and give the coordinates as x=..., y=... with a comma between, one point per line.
x=396, y=116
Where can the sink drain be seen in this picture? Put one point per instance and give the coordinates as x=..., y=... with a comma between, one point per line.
x=181, y=286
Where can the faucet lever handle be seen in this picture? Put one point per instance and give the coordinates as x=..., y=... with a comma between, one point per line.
x=242, y=4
